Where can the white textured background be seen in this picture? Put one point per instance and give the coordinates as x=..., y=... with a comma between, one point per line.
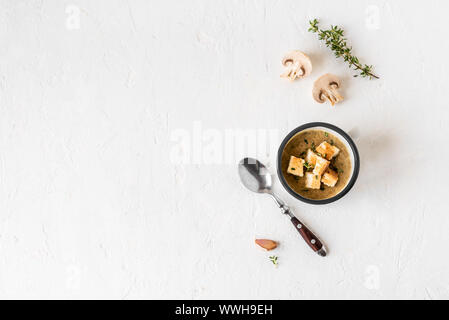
x=91, y=205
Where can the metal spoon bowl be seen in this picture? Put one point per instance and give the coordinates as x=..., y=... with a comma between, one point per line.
x=255, y=176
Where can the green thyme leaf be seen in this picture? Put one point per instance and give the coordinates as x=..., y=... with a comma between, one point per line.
x=307, y=165
x=335, y=40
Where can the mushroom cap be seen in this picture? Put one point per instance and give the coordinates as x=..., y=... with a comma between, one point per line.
x=299, y=57
x=326, y=81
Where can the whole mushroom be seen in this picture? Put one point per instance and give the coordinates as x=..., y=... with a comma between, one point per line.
x=298, y=65
x=326, y=87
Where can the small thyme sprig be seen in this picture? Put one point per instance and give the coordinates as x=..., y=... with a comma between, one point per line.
x=307, y=165
x=274, y=260
x=335, y=40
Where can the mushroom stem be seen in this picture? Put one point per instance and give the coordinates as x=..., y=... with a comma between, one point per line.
x=329, y=97
x=299, y=71
x=333, y=96
x=295, y=71
x=334, y=90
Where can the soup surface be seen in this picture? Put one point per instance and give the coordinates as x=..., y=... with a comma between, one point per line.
x=298, y=146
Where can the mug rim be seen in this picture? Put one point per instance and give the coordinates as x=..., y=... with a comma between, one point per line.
x=356, y=164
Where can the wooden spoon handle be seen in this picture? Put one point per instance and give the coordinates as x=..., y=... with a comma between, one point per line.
x=309, y=237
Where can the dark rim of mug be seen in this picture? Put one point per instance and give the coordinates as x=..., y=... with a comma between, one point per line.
x=354, y=150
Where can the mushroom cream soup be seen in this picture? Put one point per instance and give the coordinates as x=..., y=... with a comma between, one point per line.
x=298, y=150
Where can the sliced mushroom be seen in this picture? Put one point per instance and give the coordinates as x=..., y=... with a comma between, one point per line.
x=326, y=87
x=298, y=65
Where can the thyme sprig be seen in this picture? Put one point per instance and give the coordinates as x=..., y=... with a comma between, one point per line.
x=274, y=260
x=307, y=165
x=336, y=41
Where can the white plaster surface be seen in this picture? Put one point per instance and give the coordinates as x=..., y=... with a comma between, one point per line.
x=92, y=205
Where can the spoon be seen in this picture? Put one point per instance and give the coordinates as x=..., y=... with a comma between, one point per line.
x=255, y=177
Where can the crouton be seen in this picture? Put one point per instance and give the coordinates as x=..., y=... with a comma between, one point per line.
x=311, y=157
x=313, y=181
x=330, y=178
x=327, y=150
x=320, y=166
x=296, y=166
